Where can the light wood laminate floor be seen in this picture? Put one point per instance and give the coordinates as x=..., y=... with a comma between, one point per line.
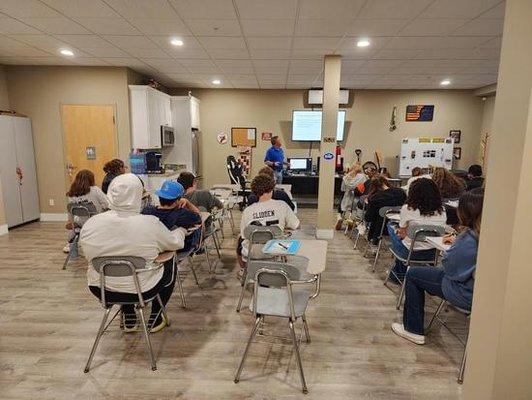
x=48, y=321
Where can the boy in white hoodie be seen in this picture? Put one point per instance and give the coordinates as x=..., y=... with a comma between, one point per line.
x=123, y=231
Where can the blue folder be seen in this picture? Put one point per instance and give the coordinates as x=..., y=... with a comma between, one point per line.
x=283, y=247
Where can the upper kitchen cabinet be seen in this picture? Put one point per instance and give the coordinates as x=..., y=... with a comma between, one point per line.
x=150, y=109
x=194, y=113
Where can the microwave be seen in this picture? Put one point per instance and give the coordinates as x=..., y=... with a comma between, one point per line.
x=167, y=136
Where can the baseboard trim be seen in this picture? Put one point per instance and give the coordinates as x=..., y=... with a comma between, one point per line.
x=54, y=217
x=3, y=229
x=326, y=234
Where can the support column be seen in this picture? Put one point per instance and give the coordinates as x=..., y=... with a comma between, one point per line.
x=499, y=364
x=331, y=93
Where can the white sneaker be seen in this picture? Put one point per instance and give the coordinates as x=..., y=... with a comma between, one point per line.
x=361, y=228
x=66, y=249
x=400, y=330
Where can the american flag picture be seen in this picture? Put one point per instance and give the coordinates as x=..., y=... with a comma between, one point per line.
x=419, y=113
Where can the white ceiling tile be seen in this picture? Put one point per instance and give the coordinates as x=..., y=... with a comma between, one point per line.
x=350, y=66
x=375, y=27
x=246, y=85
x=60, y=25
x=153, y=52
x=479, y=53
x=269, y=9
x=267, y=27
x=242, y=77
x=44, y=42
x=303, y=43
x=329, y=9
x=189, y=43
x=403, y=54
x=434, y=42
x=269, y=54
x=165, y=66
x=84, y=41
x=38, y=61
x=242, y=67
x=108, y=26
x=271, y=78
x=112, y=51
x=267, y=70
x=82, y=8
x=350, y=43
x=194, y=63
x=432, y=26
x=214, y=27
x=495, y=12
x=23, y=51
x=306, y=66
x=271, y=63
x=356, y=53
x=157, y=9
x=482, y=27
x=393, y=8
x=222, y=43
x=494, y=43
x=302, y=78
x=322, y=27
x=89, y=61
x=204, y=8
x=12, y=26
x=268, y=43
x=223, y=54
x=310, y=54
x=160, y=26
x=458, y=8
x=130, y=42
x=27, y=8
x=124, y=62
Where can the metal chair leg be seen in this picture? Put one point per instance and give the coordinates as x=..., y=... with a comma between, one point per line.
x=298, y=357
x=461, y=371
x=305, y=326
x=241, y=298
x=438, y=310
x=377, y=254
x=180, y=287
x=147, y=338
x=163, y=310
x=356, y=240
x=66, y=260
x=231, y=222
x=97, y=340
x=216, y=244
x=253, y=332
x=191, y=265
x=402, y=293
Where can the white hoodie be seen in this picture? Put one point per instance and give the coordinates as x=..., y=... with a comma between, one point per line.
x=123, y=231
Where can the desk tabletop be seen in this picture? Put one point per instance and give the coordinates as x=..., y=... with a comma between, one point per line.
x=437, y=242
x=316, y=252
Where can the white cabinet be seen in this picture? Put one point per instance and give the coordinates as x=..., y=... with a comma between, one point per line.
x=17, y=170
x=150, y=109
x=194, y=113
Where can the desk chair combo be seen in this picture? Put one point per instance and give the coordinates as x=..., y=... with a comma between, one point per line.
x=132, y=267
x=417, y=233
x=385, y=213
x=80, y=212
x=274, y=295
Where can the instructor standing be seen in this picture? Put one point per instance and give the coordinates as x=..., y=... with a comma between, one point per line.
x=274, y=158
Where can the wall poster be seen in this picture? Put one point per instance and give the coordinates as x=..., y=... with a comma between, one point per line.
x=420, y=113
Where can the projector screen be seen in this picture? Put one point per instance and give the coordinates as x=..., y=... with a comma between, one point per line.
x=298, y=163
x=306, y=125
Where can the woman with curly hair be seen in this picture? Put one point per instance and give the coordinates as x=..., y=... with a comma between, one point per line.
x=450, y=186
x=423, y=206
x=112, y=169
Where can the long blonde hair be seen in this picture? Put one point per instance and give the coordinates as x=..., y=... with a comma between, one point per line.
x=356, y=168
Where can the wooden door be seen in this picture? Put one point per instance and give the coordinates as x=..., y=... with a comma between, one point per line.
x=89, y=139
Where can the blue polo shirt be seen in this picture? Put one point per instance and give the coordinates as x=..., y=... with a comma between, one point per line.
x=275, y=154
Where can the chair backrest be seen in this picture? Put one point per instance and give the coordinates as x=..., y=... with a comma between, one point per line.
x=261, y=234
x=82, y=209
x=419, y=232
x=384, y=211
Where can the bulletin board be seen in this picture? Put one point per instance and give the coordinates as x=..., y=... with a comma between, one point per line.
x=244, y=137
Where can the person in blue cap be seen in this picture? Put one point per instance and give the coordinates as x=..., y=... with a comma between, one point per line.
x=174, y=211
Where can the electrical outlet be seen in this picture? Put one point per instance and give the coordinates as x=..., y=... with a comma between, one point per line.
x=51, y=202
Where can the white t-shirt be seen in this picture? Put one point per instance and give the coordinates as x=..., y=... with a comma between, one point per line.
x=270, y=212
x=409, y=216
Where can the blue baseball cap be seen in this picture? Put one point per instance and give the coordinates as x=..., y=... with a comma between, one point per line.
x=170, y=190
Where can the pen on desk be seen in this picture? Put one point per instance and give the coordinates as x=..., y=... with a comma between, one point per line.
x=282, y=245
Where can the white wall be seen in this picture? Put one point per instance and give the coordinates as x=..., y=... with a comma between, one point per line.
x=4, y=98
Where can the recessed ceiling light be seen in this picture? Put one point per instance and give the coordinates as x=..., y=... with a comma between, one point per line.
x=176, y=42
x=363, y=43
x=445, y=82
x=216, y=81
x=66, y=52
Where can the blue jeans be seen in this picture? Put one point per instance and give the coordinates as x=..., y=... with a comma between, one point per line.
x=418, y=281
x=399, y=269
x=278, y=176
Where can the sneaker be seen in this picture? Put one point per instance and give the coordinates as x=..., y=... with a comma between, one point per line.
x=159, y=326
x=66, y=249
x=129, y=323
x=361, y=228
x=400, y=330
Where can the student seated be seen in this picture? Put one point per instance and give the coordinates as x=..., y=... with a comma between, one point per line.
x=175, y=211
x=265, y=212
x=450, y=186
x=380, y=195
x=351, y=180
x=423, y=206
x=112, y=169
x=278, y=194
x=84, y=189
x=454, y=281
x=474, y=177
x=200, y=198
x=123, y=231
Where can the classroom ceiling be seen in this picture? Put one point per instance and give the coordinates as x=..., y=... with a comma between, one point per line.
x=270, y=44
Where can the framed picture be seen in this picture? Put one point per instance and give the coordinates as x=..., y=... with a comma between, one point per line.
x=455, y=134
x=457, y=153
x=244, y=137
x=419, y=113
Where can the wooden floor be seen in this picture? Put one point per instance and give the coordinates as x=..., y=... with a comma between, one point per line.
x=48, y=321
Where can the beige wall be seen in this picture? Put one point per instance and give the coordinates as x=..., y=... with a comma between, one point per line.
x=367, y=123
x=39, y=92
x=4, y=98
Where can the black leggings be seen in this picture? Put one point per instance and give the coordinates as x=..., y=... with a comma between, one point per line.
x=164, y=291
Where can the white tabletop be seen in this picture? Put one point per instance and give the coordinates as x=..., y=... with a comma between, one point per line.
x=452, y=203
x=316, y=253
x=437, y=242
x=394, y=217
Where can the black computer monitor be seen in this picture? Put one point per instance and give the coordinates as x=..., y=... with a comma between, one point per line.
x=300, y=164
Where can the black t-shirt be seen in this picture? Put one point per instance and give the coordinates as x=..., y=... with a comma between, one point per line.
x=276, y=195
x=174, y=217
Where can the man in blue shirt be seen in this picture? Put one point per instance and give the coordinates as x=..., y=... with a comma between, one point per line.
x=274, y=159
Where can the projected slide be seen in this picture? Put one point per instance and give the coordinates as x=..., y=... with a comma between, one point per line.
x=306, y=125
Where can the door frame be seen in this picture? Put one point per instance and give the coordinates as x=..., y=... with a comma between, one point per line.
x=63, y=141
